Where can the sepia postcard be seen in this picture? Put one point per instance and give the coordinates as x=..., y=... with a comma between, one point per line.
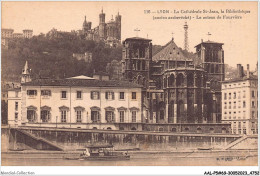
x=128, y=83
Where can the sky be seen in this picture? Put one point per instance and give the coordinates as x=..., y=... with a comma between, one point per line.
x=238, y=35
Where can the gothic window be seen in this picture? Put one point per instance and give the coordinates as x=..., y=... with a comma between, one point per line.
x=190, y=79
x=180, y=80
x=212, y=69
x=180, y=110
x=165, y=82
x=171, y=81
x=198, y=81
x=143, y=65
x=139, y=80
x=161, y=114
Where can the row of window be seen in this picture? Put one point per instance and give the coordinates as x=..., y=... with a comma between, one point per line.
x=252, y=83
x=253, y=116
x=235, y=105
x=237, y=95
x=253, y=105
x=234, y=85
x=94, y=95
x=95, y=116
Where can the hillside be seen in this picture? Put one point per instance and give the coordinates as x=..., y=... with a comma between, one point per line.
x=52, y=57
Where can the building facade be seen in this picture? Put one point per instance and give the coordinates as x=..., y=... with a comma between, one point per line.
x=27, y=33
x=7, y=34
x=78, y=102
x=179, y=89
x=240, y=102
x=87, y=56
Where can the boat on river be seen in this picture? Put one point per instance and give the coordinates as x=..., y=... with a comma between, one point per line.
x=100, y=152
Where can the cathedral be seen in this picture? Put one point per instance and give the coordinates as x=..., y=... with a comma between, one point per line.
x=179, y=87
x=109, y=32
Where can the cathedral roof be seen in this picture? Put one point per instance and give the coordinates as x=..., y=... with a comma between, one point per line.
x=171, y=52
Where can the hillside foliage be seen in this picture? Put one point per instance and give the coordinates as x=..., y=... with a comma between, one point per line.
x=52, y=57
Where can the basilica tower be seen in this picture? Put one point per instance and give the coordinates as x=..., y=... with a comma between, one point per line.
x=102, y=25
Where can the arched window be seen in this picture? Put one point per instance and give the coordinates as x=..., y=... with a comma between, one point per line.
x=198, y=81
x=190, y=80
x=180, y=80
x=171, y=112
x=144, y=82
x=186, y=129
x=174, y=130
x=171, y=81
x=180, y=110
x=165, y=82
x=211, y=130
x=133, y=129
x=199, y=130
x=109, y=128
x=139, y=80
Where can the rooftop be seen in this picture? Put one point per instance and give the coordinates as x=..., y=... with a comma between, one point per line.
x=138, y=38
x=81, y=83
x=251, y=77
x=80, y=77
x=209, y=42
x=170, y=52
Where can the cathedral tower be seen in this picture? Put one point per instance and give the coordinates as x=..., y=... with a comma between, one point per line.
x=118, y=24
x=137, y=57
x=212, y=57
x=85, y=25
x=102, y=25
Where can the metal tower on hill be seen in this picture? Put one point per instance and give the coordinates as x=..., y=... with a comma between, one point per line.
x=186, y=43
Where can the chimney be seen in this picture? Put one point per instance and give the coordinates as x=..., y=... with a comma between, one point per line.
x=201, y=40
x=239, y=71
x=247, y=71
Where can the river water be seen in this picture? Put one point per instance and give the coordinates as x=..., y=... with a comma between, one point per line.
x=184, y=159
